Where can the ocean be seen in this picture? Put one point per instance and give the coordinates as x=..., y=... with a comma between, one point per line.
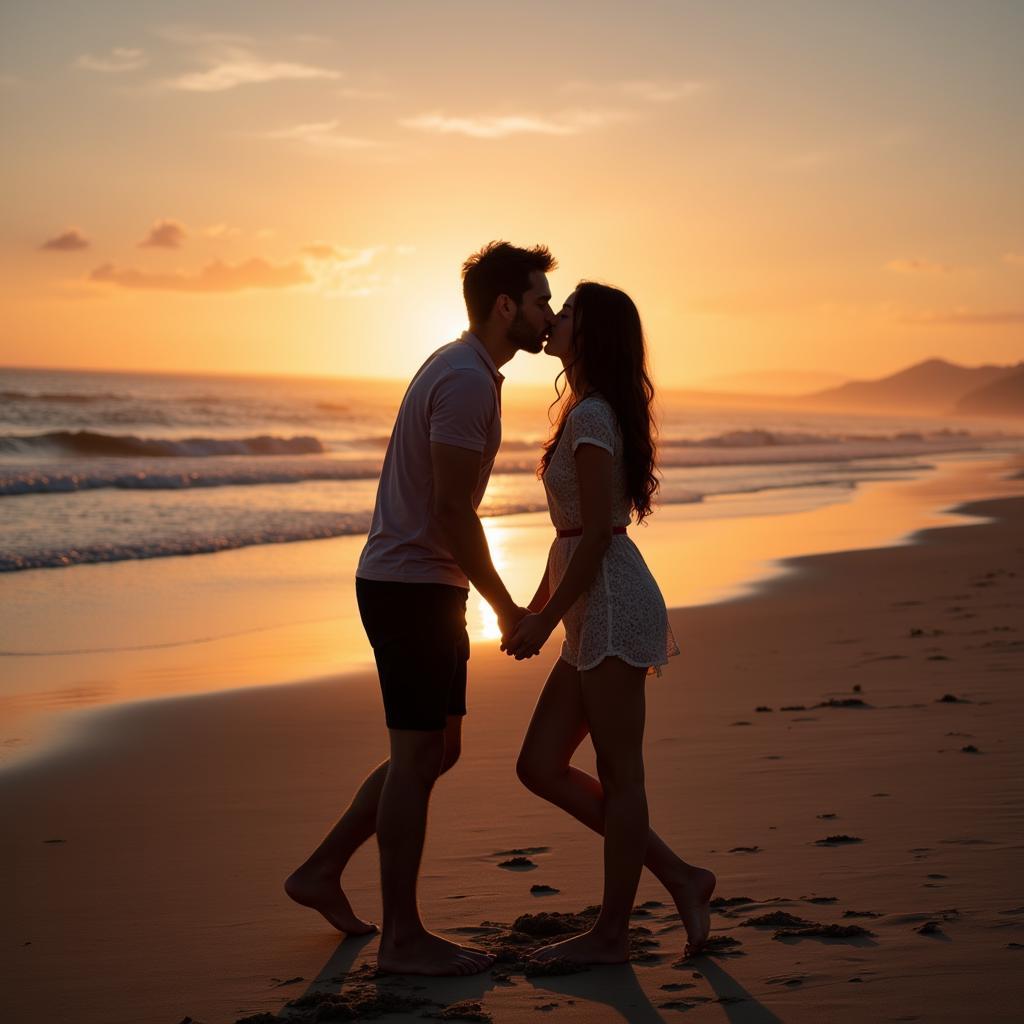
x=104, y=466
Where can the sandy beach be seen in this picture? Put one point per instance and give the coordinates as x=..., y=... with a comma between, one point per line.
x=871, y=695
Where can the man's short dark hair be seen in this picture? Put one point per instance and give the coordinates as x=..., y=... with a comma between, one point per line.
x=500, y=269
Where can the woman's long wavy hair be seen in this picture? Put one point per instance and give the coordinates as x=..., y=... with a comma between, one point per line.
x=609, y=356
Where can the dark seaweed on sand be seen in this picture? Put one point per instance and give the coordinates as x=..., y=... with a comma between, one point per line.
x=362, y=1001
x=716, y=945
x=468, y=1009
x=729, y=901
x=777, y=919
x=826, y=931
x=517, y=862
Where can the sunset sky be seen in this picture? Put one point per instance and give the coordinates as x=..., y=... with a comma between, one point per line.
x=266, y=187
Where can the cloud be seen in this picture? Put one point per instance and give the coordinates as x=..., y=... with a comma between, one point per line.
x=67, y=241
x=343, y=272
x=118, y=60
x=164, y=234
x=230, y=66
x=662, y=92
x=320, y=250
x=919, y=266
x=342, y=258
x=964, y=317
x=499, y=126
x=214, y=277
x=323, y=135
x=221, y=231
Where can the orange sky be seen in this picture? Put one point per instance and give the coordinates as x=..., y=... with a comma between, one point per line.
x=810, y=186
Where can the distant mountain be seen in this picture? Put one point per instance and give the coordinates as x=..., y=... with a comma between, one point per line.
x=1003, y=397
x=934, y=386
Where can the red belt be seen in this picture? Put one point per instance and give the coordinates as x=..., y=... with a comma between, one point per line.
x=577, y=531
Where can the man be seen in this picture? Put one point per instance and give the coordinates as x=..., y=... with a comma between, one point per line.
x=426, y=545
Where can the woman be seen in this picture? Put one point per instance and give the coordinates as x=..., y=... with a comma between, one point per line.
x=597, y=469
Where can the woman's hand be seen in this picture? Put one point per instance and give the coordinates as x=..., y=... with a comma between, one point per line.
x=528, y=637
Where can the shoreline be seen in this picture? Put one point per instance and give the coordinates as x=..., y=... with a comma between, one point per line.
x=744, y=546
x=204, y=803
x=741, y=546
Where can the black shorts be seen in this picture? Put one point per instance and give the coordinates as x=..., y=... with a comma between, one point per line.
x=419, y=639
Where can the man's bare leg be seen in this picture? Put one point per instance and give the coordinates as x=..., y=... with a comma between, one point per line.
x=317, y=882
x=406, y=947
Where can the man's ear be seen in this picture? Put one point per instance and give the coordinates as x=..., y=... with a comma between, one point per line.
x=505, y=307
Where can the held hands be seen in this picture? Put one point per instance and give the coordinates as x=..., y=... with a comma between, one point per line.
x=528, y=637
x=509, y=618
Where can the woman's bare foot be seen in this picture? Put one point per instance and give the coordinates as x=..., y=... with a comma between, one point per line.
x=692, y=897
x=427, y=953
x=588, y=948
x=321, y=890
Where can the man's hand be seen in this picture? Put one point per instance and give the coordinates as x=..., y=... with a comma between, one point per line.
x=528, y=637
x=508, y=619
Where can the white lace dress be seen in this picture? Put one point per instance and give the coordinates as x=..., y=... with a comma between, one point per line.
x=622, y=613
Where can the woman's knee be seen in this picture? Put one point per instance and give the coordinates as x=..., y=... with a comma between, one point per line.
x=537, y=773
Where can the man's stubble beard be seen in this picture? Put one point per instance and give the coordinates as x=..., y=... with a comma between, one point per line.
x=523, y=336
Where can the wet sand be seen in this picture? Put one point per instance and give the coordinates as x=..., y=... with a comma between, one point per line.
x=148, y=853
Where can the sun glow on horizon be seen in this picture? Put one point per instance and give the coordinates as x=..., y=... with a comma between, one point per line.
x=299, y=201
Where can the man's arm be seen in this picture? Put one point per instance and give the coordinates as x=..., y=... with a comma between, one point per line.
x=456, y=473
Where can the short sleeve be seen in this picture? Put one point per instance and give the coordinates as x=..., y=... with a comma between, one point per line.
x=462, y=410
x=593, y=422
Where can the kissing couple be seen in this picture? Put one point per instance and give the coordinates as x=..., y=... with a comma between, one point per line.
x=426, y=545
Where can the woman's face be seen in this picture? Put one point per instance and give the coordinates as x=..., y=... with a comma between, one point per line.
x=560, y=341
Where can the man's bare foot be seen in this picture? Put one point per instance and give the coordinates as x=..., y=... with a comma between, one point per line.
x=692, y=896
x=322, y=891
x=427, y=953
x=588, y=948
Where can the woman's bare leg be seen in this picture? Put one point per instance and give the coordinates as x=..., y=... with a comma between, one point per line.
x=558, y=727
